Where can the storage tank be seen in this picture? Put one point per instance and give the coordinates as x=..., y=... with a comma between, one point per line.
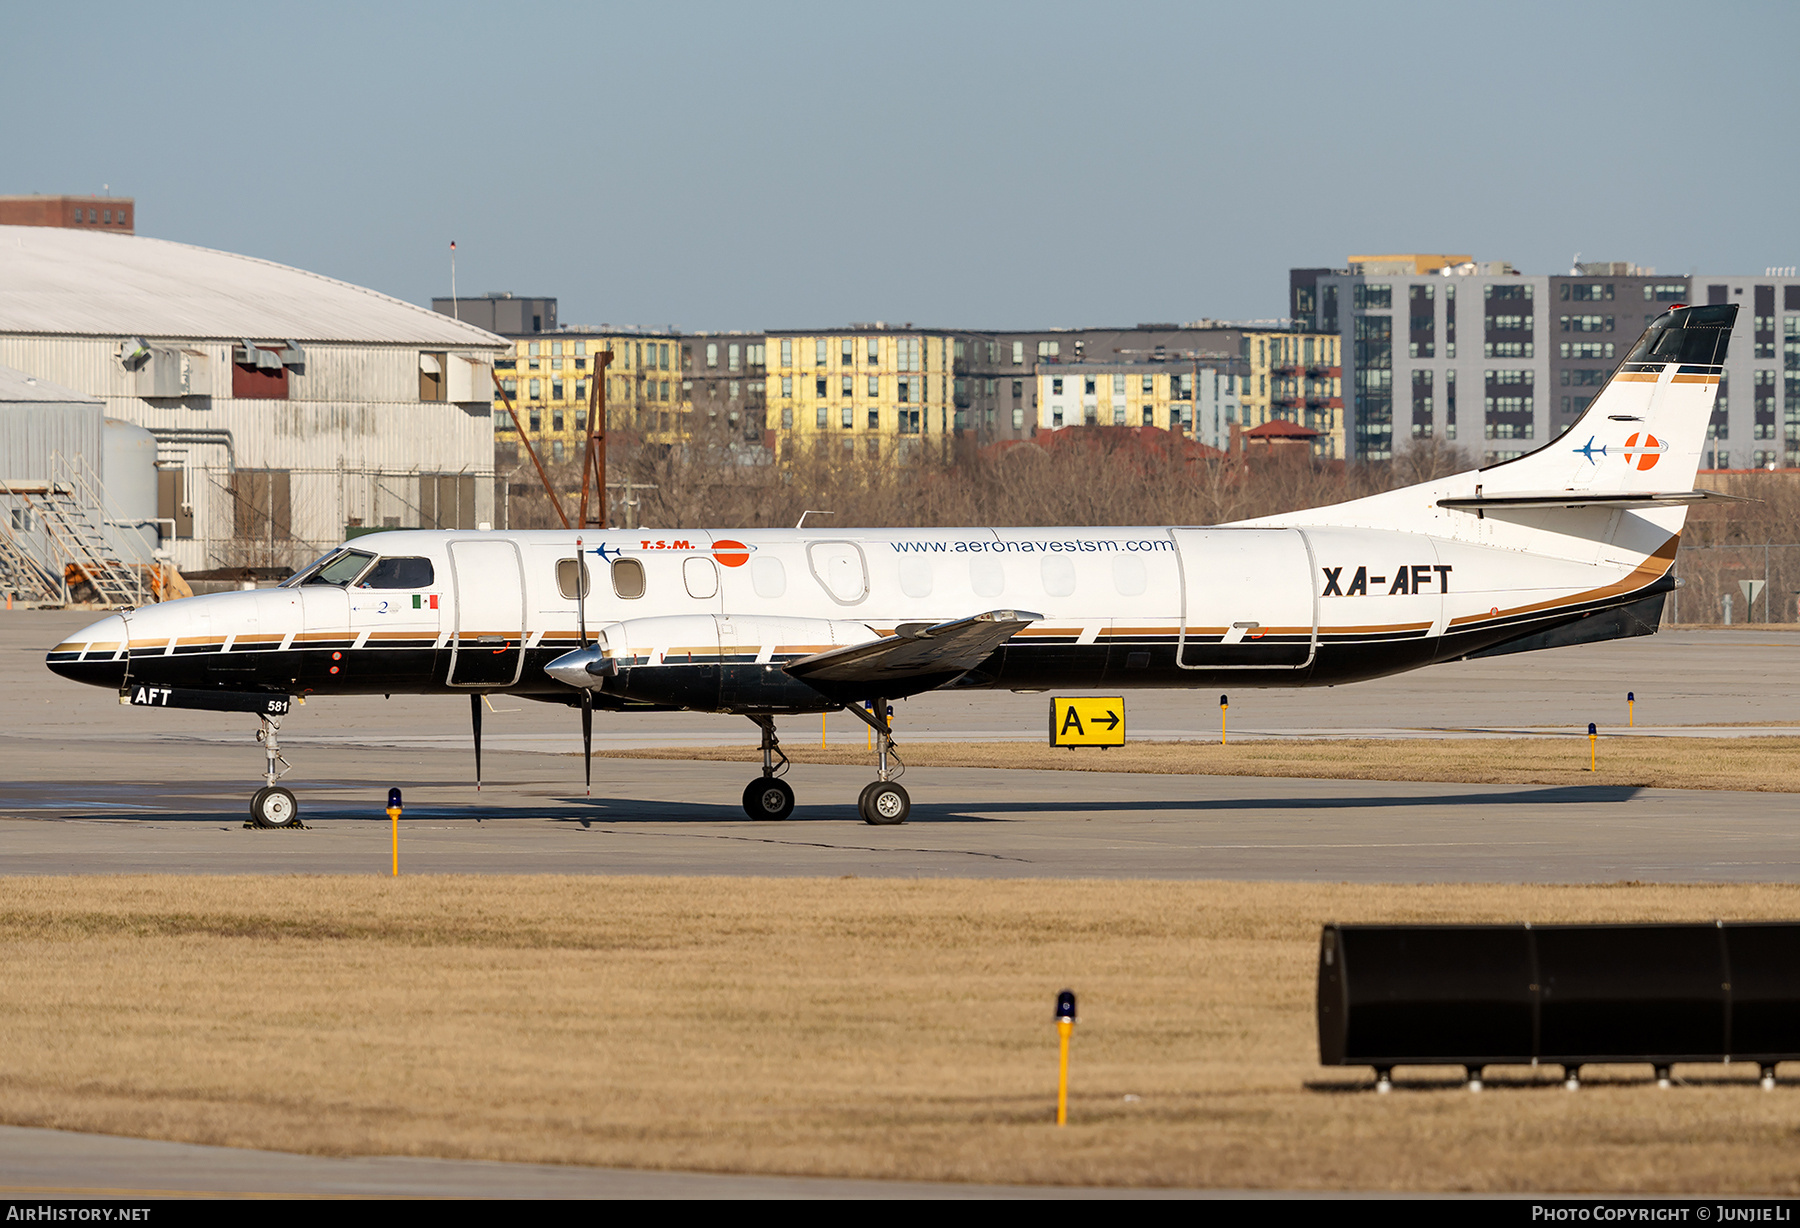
x=128, y=468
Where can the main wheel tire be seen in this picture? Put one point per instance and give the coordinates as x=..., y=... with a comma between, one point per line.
x=884, y=804
x=274, y=807
x=768, y=798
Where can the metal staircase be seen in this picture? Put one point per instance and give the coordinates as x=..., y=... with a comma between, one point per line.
x=70, y=543
x=20, y=572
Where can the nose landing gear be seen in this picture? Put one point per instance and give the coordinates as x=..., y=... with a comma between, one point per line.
x=273, y=806
x=769, y=796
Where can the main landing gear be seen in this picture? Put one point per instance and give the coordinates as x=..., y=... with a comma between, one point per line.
x=883, y=802
x=769, y=796
x=273, y=806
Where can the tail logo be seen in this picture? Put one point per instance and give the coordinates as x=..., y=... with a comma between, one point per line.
x=1588, y=450
x=1644, y=455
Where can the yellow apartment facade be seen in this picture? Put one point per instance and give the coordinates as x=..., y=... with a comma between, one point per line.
x=1296, y=377
x=873, y=391
x=867, y=393
x=549, y=376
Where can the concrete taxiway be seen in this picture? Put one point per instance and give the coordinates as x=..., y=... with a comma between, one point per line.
x=662, y=817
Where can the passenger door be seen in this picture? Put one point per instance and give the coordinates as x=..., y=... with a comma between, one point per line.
x=487, y=640
x=840, y=570
x=1247, y=599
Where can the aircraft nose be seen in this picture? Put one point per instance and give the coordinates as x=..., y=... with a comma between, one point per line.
x=94, y=655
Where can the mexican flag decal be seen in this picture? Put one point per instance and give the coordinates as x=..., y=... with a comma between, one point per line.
x=420, y=601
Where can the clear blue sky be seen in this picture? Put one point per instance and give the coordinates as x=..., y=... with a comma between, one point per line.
x=967, y=164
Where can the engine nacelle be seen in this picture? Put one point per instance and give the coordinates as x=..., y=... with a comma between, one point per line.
x=707, y=662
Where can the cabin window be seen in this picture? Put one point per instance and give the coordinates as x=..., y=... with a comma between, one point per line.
x=399, y=573
x=915, y=576
x=1059, y=576
x=569, y=573
x=1129, y=578
x=768, y=577
x=986, y=576
x=701, y=577
x=628, y=578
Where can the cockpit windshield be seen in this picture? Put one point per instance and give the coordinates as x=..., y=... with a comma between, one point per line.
x=295, y=579
x=338, y=569
x=399, y=572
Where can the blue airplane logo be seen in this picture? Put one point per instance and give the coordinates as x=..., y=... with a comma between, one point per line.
x=1588, y=450
x=606, y=554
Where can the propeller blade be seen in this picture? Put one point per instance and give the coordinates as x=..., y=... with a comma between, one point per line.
x=587, y=738
x=475, y=719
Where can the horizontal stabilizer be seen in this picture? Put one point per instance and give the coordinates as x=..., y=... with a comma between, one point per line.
x=915, y=650
x=1588, y=498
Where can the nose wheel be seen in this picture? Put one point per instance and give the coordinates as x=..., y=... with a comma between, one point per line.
x=273, y=806
x=769, y=796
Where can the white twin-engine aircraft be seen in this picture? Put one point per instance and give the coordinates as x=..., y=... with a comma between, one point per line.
x=1570, y=544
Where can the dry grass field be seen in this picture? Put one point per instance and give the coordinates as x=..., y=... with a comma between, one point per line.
x=874, y=1027
x=1760, y=764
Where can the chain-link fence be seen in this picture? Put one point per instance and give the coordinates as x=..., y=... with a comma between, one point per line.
x=1736, y=584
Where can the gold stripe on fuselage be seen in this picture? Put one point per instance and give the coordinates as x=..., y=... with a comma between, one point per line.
x=1642, y=573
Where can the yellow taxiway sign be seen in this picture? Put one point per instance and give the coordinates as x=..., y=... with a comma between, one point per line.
x=1088, y=721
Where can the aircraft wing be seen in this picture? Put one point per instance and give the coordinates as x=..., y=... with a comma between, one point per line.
x=1583, y=498
x=914, y=651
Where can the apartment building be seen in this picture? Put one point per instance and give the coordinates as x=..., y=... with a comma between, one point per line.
x=1201, y=402
x=1296, y=377
x=548, y=379
x=724, y=378
x=865, y=391
x=997, y=387
x=1501, y=362
x=1756, y=422
x=503, y=312
x=1434, y=347
x=880, y=384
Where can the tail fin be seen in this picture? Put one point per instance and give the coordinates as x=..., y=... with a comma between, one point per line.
x=1645, y=431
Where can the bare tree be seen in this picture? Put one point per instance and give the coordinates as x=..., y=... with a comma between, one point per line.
x=1424, y=460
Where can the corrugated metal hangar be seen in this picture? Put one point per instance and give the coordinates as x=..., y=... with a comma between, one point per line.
x=289, y=410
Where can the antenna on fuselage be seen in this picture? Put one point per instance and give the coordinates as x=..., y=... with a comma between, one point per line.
x=801, y=523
